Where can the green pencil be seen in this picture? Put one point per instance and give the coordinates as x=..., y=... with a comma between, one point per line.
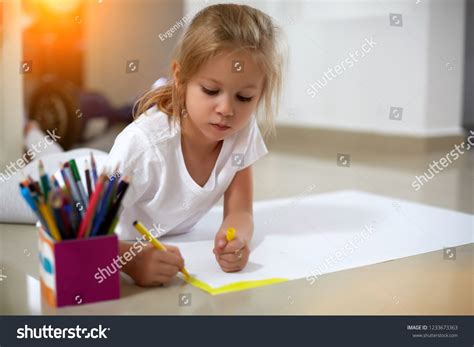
x=44, y=180
x=77, y=179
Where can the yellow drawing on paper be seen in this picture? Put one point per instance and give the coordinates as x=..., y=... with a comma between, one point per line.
x=232, y=287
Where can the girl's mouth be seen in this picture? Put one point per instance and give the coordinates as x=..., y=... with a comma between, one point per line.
x=220, y=127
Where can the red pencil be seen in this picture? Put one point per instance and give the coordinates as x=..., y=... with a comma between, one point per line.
x=85, y=227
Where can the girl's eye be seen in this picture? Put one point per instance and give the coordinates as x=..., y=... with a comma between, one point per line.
x=244, y=99
x=209, y=92
x=215, y=92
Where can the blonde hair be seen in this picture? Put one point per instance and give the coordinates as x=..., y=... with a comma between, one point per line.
x=214, y=29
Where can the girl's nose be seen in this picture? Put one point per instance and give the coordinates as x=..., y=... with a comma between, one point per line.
x=224, y=107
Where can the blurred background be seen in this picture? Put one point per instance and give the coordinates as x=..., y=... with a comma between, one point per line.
x=375, y=124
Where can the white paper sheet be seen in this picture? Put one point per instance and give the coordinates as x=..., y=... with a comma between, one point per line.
x=309, y=236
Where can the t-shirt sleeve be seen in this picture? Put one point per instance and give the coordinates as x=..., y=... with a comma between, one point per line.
x=255, y=146
x=135, y=158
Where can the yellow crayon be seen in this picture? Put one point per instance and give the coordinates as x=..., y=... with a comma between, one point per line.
x=230, y=234
x=157, y=244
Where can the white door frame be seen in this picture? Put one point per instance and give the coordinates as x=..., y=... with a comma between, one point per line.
x=11, y=84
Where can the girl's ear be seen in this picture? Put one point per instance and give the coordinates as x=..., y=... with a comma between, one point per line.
x=176, y=70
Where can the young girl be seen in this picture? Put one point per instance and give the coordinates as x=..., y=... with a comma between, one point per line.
x=196, y=138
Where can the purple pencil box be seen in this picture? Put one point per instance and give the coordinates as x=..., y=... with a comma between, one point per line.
x=70, y=269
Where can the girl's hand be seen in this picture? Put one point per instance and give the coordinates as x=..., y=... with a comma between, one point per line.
x=232, y=255
x=152, y=267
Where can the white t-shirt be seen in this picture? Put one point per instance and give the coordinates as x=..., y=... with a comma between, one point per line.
x=162, y=194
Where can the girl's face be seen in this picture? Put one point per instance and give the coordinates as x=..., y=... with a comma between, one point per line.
x=223, y=94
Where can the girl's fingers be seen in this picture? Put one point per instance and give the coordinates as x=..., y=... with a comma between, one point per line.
x=171, y=258
x=231, y=264
x=226, y=266
x=230, y=257
x=235, y=251
x=167, y=269
x=235, y=255
x=233, y=246
x=220, y=241
x=174, y=250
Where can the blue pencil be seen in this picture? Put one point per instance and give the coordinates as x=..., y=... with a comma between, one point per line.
x=55, y=182
x=104, y=207
x=67, y=185
x=94, y=169
x=29, y=199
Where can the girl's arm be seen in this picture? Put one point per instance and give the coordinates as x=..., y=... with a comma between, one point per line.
x=238, y=214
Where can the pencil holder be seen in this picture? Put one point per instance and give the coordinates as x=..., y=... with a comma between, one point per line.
x=69, y=269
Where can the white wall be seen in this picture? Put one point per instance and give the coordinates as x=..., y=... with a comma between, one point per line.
x=406, y=68
x=117, y=31
x=11, y=85
x=417, y=66
x=445, y=68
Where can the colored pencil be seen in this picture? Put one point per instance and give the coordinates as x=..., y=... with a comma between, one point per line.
x=56, y=208
x=77, y=179
x=47, y=215
x=65, y=217
x=55, y=182
x=78, y=203
x=27, y=195
x=86, y=223
x=44, y=180
x=230, y=234
x=73, y=217
x=33, y=188
x=157, y=244
x=34, y=185
x=101, y=212
x=67, y=184
x=114, y=209
x=113, y=224
x=88, y=180
x=66, y=211
x=94, y=169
